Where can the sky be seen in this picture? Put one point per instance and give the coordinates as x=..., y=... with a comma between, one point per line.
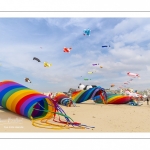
x=21, y=39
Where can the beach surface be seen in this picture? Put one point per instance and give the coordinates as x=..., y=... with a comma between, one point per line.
x=104, y=117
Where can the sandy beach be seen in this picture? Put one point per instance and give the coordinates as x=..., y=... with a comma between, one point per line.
x=105, y=118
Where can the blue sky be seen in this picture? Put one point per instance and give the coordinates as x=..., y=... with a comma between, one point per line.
x=21, y=39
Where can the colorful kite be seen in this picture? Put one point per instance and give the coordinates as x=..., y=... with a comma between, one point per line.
x=67, y=50
x=35, y=106
x=86, y=32
x=63, y=99
x=46, y=64
x=84, y=95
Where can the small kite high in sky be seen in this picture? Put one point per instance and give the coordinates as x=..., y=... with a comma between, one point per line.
x=87, y=79
x=112, y=85
x=105, y=46
x=67, y=50
x=90, y=72
x=101, y=67
x=133, y=74
x=86, y=32
x=46, y=64
x=35, y=58
x=95, y=64
x=27, y=80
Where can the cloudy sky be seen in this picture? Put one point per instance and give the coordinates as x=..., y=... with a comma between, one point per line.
x=21, y=39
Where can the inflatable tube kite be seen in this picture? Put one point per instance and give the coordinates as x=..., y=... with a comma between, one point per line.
x=113, y=99
x=99, y=95
x=63, y=99
x=84, y=95
x=34, y=105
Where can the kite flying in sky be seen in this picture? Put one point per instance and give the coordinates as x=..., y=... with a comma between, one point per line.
x=90, y=72
x=67, y=50
x=46, y=64
x=27, y=80
x=112, y=85
x=105, y=46
x=86, y=32
x=87, y=79
x=133, y=74
x=95, y=64
x=35, y=58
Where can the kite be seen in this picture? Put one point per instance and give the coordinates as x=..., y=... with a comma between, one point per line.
x=86, y=32
x=91, y=93
x=105, y=46
x=133, y=74
x=35, y=58
x=87, y=79
x=112, y=85
x=63, y=99
x=27, y=80
x=125, y=83
x=95, y=64
x=101, y=67
x=90, y=72
x=46, y=64
x=43, y=111
x=67, y=50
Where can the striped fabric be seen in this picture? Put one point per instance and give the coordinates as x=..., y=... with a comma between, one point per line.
x=24, y=101
x=92, y=93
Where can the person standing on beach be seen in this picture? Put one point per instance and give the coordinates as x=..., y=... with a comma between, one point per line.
x=147, y=100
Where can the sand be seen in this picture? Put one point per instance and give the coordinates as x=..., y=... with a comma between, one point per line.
x=105, y=118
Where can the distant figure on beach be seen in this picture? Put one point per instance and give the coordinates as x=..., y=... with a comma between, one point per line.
x=147, y=100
